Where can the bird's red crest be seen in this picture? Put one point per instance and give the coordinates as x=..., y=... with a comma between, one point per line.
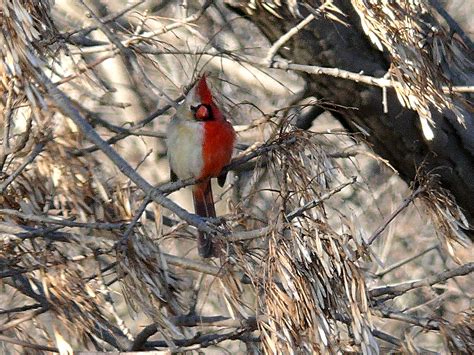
x=203, y=91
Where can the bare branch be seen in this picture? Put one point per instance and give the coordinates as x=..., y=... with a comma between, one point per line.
x=425, y=323
x=143, y=36
x=25, y=344
x=286, y=37
x=36, y=151
x=394, y=214
x=405, y=261
x=67, y=109
x=392, y=291
x=20, y=309
x=192, y=265
x=314, y=203
x=23, y=318
x=107, y=19
x=61, y=222
x=192, y=321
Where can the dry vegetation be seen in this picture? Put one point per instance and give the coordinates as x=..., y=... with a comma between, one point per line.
x=327, y=249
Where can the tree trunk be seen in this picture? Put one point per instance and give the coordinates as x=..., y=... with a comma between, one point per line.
x=396, y=136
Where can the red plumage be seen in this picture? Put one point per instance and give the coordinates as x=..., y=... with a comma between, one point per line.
x=218, y=137
x=218, y=143
x=203, y=91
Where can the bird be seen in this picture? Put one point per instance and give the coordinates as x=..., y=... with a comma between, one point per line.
x=200, y=142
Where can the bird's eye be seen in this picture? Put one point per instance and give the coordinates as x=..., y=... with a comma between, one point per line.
x=202, y=112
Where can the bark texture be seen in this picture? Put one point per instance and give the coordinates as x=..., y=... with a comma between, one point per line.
x=395, y=136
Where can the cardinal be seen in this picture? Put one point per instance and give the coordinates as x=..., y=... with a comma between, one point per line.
x=200, y=142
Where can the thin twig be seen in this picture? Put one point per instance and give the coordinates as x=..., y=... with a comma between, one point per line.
x=23, y=270
x=293, y=31
x=20, y=309
x=144, y=36
x=462, y=89
x=387, y=337
x=247, y=235
x=7, y=118
x=61, y=222
x=394, y=214
x=65, y=106
x=213, y=321
x=105, y=30
x=84, y=69
x=298, y=212
x=405, y=261
x=334, y=72
x=25, y=344
x=396, y=290
x=36, y=151
x=134, y=221
x=23, y=318
x=453, y=25
x=397, y=342
x=425, y=323
x=124, y=133
x=286, y=37
x=109, y=18
x=192, y=265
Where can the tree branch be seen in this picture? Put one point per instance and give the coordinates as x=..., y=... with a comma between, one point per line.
x=394, y=214
x=64, y=105
x=392, y=291
x=405, y=261
x=61, y=222
x=25, y=344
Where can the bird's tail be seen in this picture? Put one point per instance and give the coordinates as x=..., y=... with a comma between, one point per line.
x=204, y=207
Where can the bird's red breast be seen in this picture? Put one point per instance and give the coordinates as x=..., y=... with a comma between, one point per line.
x=219, y=135
x=200, y=139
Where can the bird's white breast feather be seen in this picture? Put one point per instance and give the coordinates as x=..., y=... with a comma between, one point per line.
x=184, y=141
